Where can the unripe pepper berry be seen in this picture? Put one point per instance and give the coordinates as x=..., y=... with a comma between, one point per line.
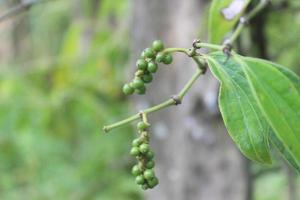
x=158, y=45
x=149, y=174
x=150, y=155
x=153, y=182
x=147, y=78
x=150, y=164
x=141, y=90
x=152, y=67
x=144, y=148
x=160, y=57
x=138, y=83
x=143, y=55
x=149, y=53
x=134, y=151
x=136, y=170
x=127, y=89
x=136, y=142
x=145, y=186
x=140, y=180
x=168, y=59
x=141, y=64
x=142, y=126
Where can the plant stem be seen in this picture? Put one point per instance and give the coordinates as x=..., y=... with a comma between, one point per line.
x=173, y=101
x=172, y=50
x=209, y=46
x=245, y=19
x=189, y=84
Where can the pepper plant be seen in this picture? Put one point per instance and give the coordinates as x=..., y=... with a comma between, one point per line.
x=258, y=100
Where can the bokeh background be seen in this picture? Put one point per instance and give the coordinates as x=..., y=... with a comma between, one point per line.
x=62, y=66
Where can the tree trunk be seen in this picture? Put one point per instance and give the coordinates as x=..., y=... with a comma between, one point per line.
x=195, y=158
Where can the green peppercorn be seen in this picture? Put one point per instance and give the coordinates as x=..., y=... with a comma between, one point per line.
x=140, y=180
x=127, y=89
x=141, y=91
x=144, y=148
x=142, y=126
x=136, y=142
x=145, y=186
x=153, y=182
x=149, y=53
x=143, y=55
x=149, y=174
x=131, y=84
x=150, y=155
x=141, y=64
x=136, y=170
x=157, y=45
x=152, y=67
x=168, y=59
x=147, y=78
x=134, y=151
x=138, y=83
x=150, y=164
x=160, y=57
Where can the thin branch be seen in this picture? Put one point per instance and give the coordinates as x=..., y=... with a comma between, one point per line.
x=175, y=100
x=22, y=7
x=244, y=20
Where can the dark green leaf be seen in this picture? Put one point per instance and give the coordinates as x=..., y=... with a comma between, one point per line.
x=277, y=91
x=240, y=113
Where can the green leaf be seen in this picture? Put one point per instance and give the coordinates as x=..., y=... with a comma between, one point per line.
x=240, y=113
x=277, y=91
x=223, y=15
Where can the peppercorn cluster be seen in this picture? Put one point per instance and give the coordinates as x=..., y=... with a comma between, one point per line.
x=147, y=65
x=144, y=169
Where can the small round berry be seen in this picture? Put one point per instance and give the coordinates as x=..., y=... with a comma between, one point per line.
x=149, y=174
x=141, y=64
x=168, y=59
x=136, y=170
x=134, y=151
x=139, y=73
x=144, y=148
x=131, y=84
x=157, y=45
x=142, y=126
x=143, y=55
x=149, y=53
x=150, y=164
x=127, y=89
x=141, y=91
x=153, y=182
x=145, y=186
x=140, y=180
x=138, y=83
x=152, y=67
x=160, y=57
x=136, y=142
x=150, y=155
x=147, y=78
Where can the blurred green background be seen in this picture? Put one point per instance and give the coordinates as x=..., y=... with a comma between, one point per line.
x=61, y=69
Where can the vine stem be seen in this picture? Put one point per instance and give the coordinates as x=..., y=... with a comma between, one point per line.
x=209, y=46
x=244, y=20
x=175, y=100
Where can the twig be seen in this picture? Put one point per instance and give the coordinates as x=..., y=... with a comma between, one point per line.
x=175, y=100
x=244, y=20
x=22, y=7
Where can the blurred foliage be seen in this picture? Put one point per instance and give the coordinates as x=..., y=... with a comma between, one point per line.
x=55, y=97
x=55, y=101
